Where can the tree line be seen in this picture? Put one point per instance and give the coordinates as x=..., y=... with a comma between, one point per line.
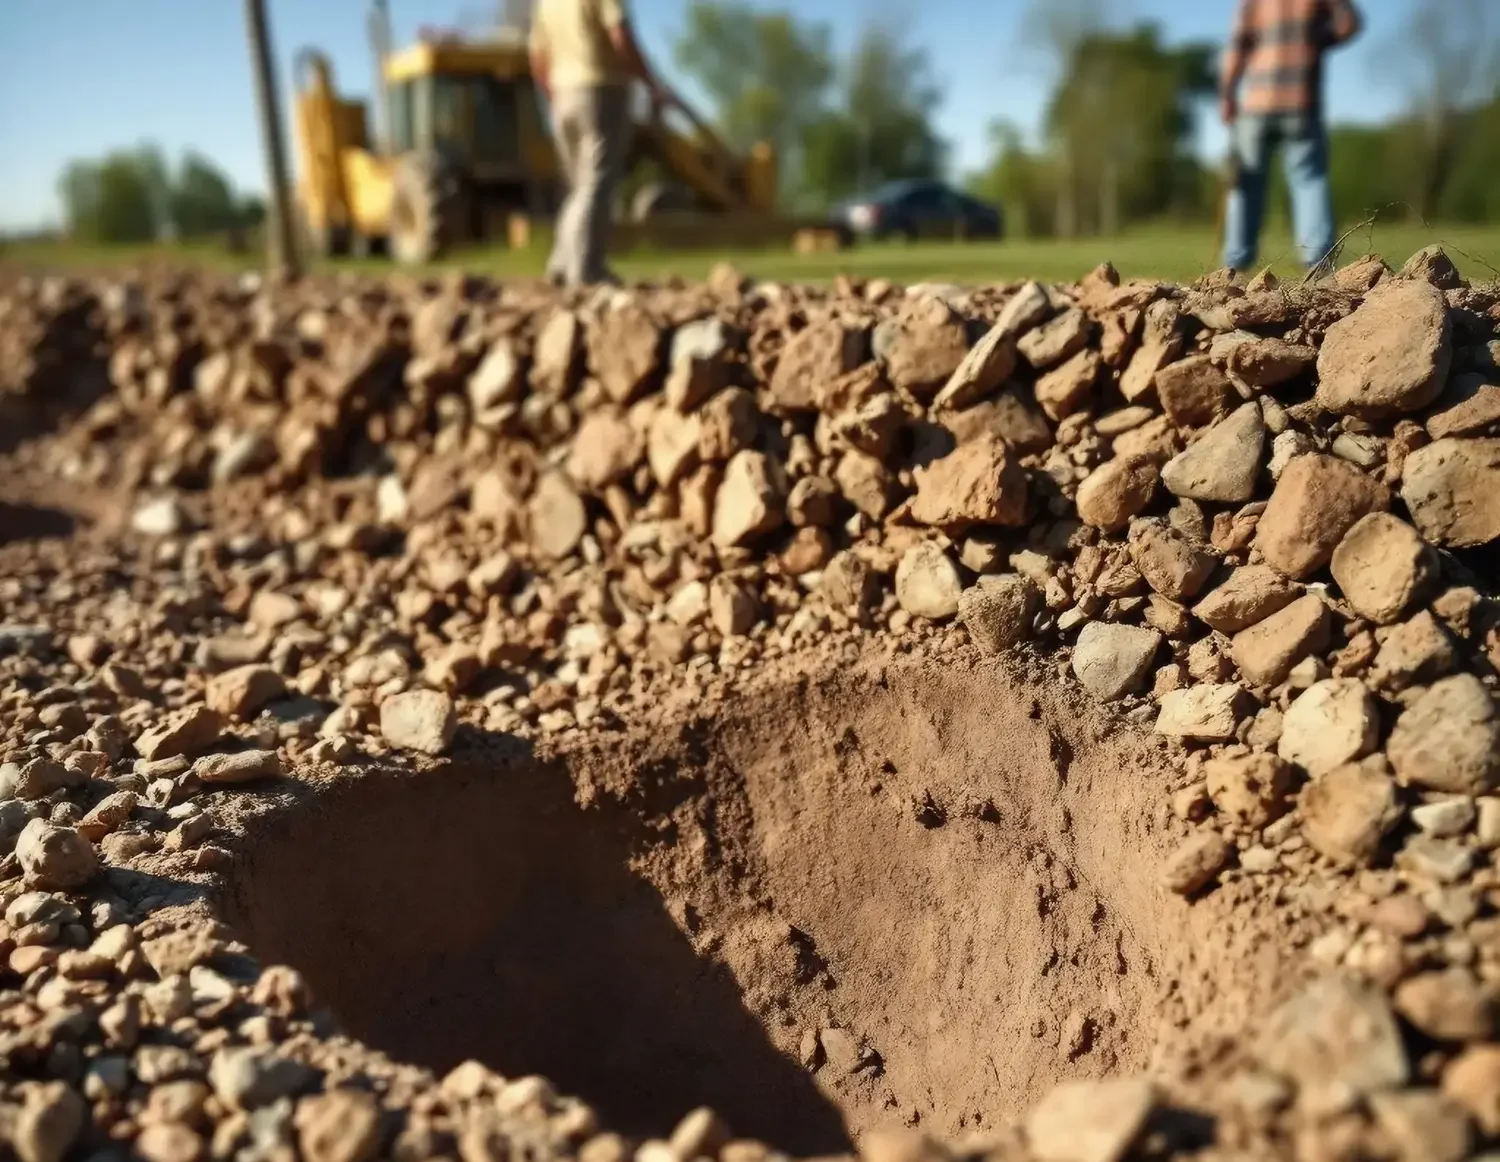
x=1117, y=144
x=134, y=195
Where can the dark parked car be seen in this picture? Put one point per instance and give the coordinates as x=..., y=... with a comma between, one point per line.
x=919, y=209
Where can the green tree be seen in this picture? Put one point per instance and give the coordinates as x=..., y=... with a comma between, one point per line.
x=766, y=73
x=202, y=201
x=1023, y=183
x=1123, y=114
x=110, y=200
x=882, y=128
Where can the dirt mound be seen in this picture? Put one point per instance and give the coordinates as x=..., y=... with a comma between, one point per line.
x=921, y=907
x=1057, y=720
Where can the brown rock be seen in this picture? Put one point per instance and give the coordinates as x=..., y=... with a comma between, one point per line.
x=606, y=448
x=815, y=356
x=342, y=1125
x=1056, y=340
x=48, y=1123
x=1007, y=416
x=170, y=1142
x=849, y=582
x=1269, y=362
x=1267, y=651
x=807, y=551
x=873, y=425
x=54, y=858
x=1469, y=406
x=750, y=501
x=732, y=608
x=922, y=346
x=244, y=766
x=243, y=691
x=1196, y=863
x=980, y=482
x=1448, y=1005
x=1194, y=392
x=1452, y=488
x=1473, y=1080
x=625, y=351
x=1415, y=652
x=1116, y=491
x=186, y=733
x=813, y=500
x=1384, y=567
x=1066, y=389
x=1251, y=594
x=864, y=482
x=1250, y=789
x=998, y=612
x=1348, y=810
x=556, y=516
x=1171, y=563
x=729, y=420
x=1389, y=357
x=986, y=365
x=1316, y=502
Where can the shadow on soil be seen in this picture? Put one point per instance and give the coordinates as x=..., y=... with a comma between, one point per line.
x=476, y=912
x=29, y=522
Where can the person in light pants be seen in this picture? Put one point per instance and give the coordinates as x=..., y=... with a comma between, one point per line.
x=584, y=56
x=1272, y=96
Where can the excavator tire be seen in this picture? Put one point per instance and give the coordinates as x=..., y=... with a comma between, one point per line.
x=427, y=217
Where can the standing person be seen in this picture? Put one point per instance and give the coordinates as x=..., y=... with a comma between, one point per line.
x=584, y=55
x=1272, y=95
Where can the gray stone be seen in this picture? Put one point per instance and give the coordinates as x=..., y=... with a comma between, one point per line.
x=1210, y=712
x=419, y=720
x=1448, y=738
x=1112, y=660
x=1222, y=464
x=1452, y=489
x=1334, y=1035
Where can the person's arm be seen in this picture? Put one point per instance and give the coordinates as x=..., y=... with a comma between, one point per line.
x=541, y=60
x=622, y=37
x=1344, y=22
x=1241, y=41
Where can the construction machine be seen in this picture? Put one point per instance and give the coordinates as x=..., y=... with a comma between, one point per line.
x=465, y=155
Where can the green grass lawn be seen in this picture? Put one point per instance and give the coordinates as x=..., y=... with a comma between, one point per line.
x=1172, y=254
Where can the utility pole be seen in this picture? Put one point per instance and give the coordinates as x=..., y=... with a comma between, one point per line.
x=281, y=243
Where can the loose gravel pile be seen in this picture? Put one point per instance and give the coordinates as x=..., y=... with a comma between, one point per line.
x=1025, y=722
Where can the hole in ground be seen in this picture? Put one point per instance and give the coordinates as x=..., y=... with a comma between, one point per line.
x=922, y=899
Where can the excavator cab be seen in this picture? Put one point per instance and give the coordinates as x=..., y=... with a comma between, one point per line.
x=464, y=153
x=464, y=147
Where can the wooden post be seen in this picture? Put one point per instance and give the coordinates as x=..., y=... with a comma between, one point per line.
x=281, y=242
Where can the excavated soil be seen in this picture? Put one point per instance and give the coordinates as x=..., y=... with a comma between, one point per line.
x=462, y=722
x=938, y=891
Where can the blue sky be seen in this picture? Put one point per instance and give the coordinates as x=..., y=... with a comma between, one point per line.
x=78, y=77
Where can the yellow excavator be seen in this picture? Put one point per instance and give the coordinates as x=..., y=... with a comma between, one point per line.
x=466, y=156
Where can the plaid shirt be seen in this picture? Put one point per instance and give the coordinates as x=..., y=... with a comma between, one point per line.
x=1277, y=51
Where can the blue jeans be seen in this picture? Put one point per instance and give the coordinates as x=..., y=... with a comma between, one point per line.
x=1302, y=139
